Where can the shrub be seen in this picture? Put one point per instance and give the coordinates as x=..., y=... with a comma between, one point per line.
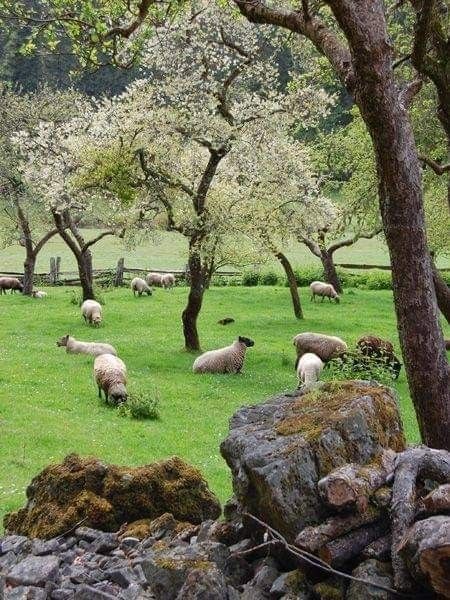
x=355, y=365
x=378, y=280
x=306, y=275
x=76, y=296
x=250, y=278
x=234, y=281
x=268, y=278
x=219, y=281
x=140, y=405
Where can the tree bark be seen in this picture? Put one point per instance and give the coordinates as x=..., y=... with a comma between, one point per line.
x=292, y=282
x=28, y=273
x=195, y=300
x=329, y=270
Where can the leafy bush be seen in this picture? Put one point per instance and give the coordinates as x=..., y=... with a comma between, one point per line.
x=378, y=280
x=250, y=278
x=76, y=297
x=269, y=278
x=140, y=405
x=306, y=275
x=234, y=281
x=354, y=365
x=219, y=281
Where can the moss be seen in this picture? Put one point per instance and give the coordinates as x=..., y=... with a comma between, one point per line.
x=182, y=563
x=107, y=496
x=328, y=591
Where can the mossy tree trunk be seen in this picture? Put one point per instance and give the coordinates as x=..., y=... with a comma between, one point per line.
x=292, y=283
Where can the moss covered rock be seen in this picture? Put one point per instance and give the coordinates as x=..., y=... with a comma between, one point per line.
x=278, y=450
x=106, y=496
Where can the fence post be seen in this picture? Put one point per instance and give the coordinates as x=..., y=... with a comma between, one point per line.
x=52, y=274
x=58, y=267
x=118, y=280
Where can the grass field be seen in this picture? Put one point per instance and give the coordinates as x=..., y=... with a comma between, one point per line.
x=169, y=251
x=49, y=405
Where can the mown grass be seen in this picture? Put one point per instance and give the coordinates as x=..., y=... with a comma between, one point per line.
x=49, y=406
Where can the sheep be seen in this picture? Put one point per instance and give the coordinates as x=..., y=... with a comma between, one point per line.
x=380, y=350
x=165, y=280
x=10, y=283
x=74, y=346
x=92, y=312
x=140, y=286
x=325, y=347
x=110, y=374
x=309, y=368
x=224, y=360
x=38, y=294
x=326, y=290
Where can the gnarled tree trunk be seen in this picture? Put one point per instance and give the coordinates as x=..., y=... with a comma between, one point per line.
x=292, y=282
x=329, y=269
x=28, y=273
x=194, y=303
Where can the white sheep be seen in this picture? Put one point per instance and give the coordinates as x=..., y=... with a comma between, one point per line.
x=140, y=286
x=309, y=368
x=165, y=280
x=326, y=290
x=110, y=374
x=224, y=360
x=92, y=312
x=38, y=294
x=74, y=346
x=325, y=346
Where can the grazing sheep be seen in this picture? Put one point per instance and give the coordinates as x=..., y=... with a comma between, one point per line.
x=38, y=294
x=225, y=360
x=10, y=283
x=140, y=286
x=165, y=280
x=110, y=374
x=325, y=347
x=92, y=312
x=381, y=350
x=309, y=368
x=225, y=321
x=326, y=290
x=74, y=346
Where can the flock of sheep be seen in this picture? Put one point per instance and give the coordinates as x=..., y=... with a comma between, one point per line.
x=313, y=350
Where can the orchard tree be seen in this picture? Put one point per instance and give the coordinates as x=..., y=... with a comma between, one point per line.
x=210, y=99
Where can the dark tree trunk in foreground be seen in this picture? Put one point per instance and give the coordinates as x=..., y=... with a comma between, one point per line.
x=28, y=274
x=194, y=303
x=365, y=67
x=292, y=282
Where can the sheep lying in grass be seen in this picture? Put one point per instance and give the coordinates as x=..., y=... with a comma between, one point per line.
x=165, y=280
x=110, y=374
x=92, y=312
x=326, y=290
x=140, y=286
x=309, y=368
x=38, y=294
x=74, y=346
x=10, y=283
x=224, y=360
x=325, y=347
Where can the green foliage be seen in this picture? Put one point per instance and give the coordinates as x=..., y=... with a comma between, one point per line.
x=357, y=366
x=141, y=404
x=250, y=278
x=269, y=278
x=306, y=275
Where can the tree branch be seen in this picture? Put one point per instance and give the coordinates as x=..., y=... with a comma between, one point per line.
x=437, y=168
x=97, y=239
x=127, y=30
x=310, y=244
x=354, y=239
x=44, y=239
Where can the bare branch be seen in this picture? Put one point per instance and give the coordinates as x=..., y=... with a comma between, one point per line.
x=354, y=239
x=437, y=167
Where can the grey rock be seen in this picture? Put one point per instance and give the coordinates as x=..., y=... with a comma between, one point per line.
x=241, y=546
x=203, y=531
x=13, y=543
x=7, y=560
x=259, y=587
x=88, y=592
x=204, y=584
x=373, y=570
x=42, y=547
x=216, y=553
x=122, y=577
x=129, y=542
x=25, y=593
x=88, y=534
x=68, y=543
x=290, y=583
x=105, y=543
x=277, y=457
x=62, y=594
x=34, y=570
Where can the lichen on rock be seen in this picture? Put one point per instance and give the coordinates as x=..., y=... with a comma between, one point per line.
x=106, y=496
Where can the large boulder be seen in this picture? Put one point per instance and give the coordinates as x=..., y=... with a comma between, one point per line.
x=278, y=450
x=106, y=496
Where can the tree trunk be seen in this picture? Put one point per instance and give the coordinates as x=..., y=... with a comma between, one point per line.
x=329, y=269
x=442, y=293
x=194, y=303
x=290, y=275
x=28, y=273
x=401, y=205
x=86, y=276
